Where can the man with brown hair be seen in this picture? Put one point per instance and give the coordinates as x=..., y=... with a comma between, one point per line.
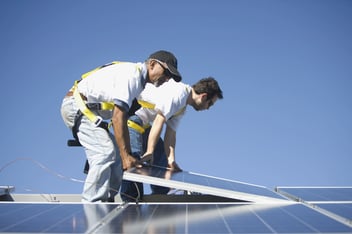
x=164, y=105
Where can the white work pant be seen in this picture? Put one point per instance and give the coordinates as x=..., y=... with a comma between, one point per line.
x=105, y=171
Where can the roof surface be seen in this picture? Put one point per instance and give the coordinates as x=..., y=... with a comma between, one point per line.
x=206, y=205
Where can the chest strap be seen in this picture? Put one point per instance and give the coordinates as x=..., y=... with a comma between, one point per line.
x=149, y=105
x=137, y=127
x=141, y=129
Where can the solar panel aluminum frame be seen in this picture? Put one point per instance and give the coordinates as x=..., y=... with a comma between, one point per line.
x=283, y=190
x=5, y=190
x=315, y=204
x=129, y=175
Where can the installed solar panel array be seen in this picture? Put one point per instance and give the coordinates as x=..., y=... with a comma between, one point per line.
x=335, y=202
x=166, y=218
x=265, y=211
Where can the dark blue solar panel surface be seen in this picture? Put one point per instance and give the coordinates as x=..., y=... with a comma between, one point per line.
x=211, y=218
x=320, y=193
x=181, y=217
x=197, y=179
x=165, y=218
x=51, y=217
x=337, y=200
x=341, y=209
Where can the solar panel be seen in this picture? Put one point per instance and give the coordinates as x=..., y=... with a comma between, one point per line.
x=204, y=184
x=307, y=209
x=333, y=201
x=166, y=218
x=51, y=217
x=317, y=193
x=222, y=218
x=341, y=209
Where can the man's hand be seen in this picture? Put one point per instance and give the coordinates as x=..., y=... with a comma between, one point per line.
x=174, y=167
x=129, y=162
x=148, y=158
x=119, y=123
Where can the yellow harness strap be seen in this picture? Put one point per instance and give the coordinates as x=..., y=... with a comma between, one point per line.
x=84, y=109
x=107, y=106
x=136, y=126
x=145, y=104
x=98, y=68
x=179, y=112
x=148, y=105
x=82, y=105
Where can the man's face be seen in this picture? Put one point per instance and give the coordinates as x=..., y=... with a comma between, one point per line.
x=158, y=73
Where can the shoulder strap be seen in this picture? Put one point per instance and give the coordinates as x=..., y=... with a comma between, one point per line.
x=98, y=68
x=146, y=104
x=149, y=105
x=82, y=105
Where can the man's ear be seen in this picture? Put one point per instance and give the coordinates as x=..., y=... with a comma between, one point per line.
x=204, y=96
x=152, y=63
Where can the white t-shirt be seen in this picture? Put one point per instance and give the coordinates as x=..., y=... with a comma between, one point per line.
x=118, y=83
x=170, y=99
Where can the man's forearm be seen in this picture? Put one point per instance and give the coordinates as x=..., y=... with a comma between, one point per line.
x=155, y=132
x=119, y=121
x=170, y=143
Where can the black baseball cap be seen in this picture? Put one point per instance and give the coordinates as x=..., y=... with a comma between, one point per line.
x=171, y=61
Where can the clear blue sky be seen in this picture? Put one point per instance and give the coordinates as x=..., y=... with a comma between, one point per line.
x=285, y=68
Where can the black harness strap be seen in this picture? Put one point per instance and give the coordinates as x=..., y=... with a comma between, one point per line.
x=75, y=129
x=77, y=122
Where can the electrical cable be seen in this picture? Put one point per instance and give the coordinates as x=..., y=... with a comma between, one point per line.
x=41, y=166
x=48, y=170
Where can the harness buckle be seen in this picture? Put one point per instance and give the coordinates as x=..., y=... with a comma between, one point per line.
x=98, y=121
x=94, y=106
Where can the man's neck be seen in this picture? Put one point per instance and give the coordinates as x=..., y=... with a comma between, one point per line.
x=191, y=97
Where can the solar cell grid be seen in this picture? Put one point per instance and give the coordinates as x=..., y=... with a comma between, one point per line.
x=341, y=209
x=50, y=217
x=333, y=201
x=224, y=218
x=326, y=212
x=170, y=218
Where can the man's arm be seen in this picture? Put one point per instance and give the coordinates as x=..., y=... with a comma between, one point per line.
x=170, y=144
x=154, y=134
x=119, y=123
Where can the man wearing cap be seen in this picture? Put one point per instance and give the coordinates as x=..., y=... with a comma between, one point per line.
x=103, y=94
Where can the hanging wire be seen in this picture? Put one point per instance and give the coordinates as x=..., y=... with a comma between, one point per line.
x=48, y=170
x=41, y=166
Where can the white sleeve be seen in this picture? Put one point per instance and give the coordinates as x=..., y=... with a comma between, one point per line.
x=174, y=121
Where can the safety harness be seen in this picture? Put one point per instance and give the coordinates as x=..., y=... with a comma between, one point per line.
x=141, y=129
x=148, y=105
x=86, y=108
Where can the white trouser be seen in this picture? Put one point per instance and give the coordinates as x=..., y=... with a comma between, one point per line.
x=105, y=171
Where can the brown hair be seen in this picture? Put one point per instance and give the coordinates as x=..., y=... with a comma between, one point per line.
x=209, y=86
